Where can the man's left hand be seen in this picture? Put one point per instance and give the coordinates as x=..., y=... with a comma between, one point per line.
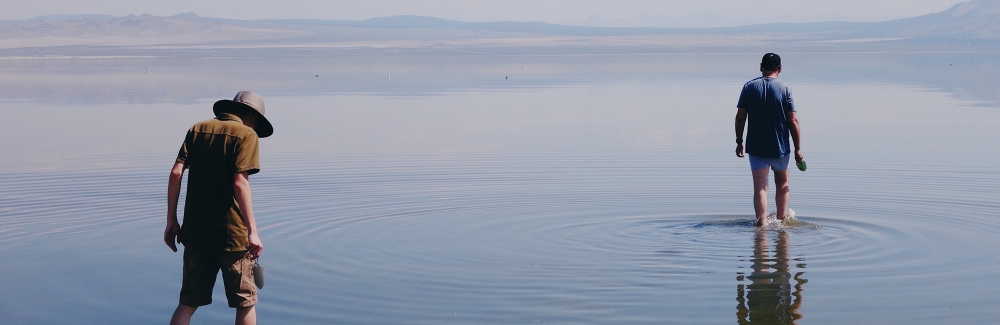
x=739, y=150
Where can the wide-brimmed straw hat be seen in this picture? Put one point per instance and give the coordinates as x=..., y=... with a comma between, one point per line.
x=251, y=100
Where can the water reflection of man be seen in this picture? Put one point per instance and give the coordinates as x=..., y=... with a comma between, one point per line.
x=766, y=104
x=768, y=298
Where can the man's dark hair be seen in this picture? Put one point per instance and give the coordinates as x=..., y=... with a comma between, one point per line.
x=770, y=62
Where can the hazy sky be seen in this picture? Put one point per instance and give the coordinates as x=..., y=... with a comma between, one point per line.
x=553, y=11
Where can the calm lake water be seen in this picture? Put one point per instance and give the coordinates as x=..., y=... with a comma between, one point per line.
x=586, y=189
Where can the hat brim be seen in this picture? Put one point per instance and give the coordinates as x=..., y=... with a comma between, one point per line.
x=263, y=129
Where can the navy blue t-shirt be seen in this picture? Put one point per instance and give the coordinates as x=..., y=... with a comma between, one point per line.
x=766, y=100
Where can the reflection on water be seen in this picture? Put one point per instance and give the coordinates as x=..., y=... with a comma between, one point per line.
x=599, y=190
x=769, y=298
x=171, y=78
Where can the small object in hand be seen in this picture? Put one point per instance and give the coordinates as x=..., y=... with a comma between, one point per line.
x=801, y=165
x=258, y=274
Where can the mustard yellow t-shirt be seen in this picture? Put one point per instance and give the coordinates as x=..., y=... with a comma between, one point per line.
x=213, y=152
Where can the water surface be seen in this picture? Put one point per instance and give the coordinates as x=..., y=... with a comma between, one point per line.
x=560, y=189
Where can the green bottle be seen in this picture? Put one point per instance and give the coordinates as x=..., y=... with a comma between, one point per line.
x=801, y=165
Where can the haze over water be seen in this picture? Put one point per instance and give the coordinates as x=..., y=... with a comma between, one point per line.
x=570, y=189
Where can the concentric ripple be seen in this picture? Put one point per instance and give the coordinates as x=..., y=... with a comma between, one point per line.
x=511, y=239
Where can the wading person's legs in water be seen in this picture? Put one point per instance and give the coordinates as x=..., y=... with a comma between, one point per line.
x=244, y=315
x=182, y=315
x=781, y=193
x=760, y=194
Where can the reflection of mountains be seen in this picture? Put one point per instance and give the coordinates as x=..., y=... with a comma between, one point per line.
x=967, y=75
x=970, y=75
x=769, y=297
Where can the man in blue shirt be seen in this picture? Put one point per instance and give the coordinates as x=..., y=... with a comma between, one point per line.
x=767, y=104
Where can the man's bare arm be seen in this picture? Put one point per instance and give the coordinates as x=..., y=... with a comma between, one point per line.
x=741, y=122
x=793, y=128
x=173, y=193
x=241, y=190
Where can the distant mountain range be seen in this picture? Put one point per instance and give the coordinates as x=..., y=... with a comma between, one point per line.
x=973, y=22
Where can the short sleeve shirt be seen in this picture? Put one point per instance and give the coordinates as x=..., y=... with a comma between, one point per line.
x=767, y=102
x=213, y=152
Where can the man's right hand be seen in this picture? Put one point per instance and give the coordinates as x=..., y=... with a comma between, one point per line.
x=255, y=246
x=170, y=235
x=798, y=156
x=739, y=150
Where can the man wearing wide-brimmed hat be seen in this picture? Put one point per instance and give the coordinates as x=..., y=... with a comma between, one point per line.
x=219, y=230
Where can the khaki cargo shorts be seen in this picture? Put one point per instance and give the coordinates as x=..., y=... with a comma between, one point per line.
x=201, y=267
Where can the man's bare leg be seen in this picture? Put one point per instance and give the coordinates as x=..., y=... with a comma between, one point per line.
x=781, y=193
x=182, y=315
x=760, y=195
x=246, y=315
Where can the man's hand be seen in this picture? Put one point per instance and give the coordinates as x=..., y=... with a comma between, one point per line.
x=794, y=131
x=255, y=247
x=741, y=122
x=170, y=235
x=241, y=191
x=173, y=193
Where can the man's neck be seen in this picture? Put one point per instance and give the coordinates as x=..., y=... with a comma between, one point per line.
x=770, y=74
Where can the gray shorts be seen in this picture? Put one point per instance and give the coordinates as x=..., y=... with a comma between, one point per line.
x=776, y=164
